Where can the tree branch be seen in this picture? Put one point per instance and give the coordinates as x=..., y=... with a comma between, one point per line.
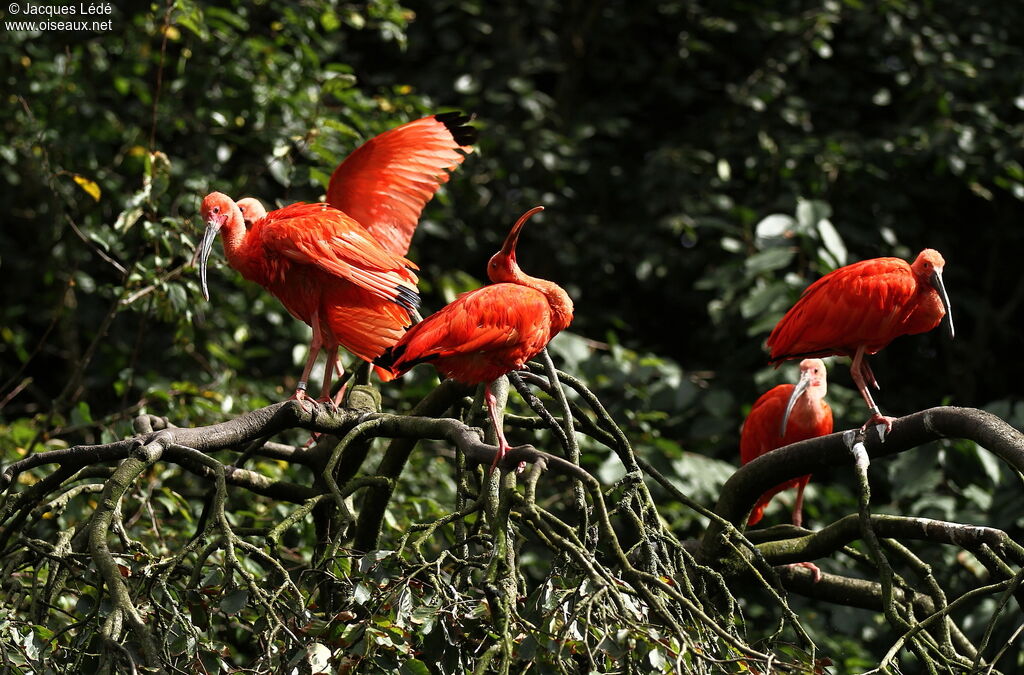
x=830, y=539
x=751, y=480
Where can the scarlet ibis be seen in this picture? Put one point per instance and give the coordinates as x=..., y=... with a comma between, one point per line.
x=858, y=309
x=379, y=191
x=488, y=332
x=783, y=415
x=252, y=210
x=325, y=268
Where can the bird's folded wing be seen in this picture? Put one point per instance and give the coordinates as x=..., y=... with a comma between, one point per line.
x=489, y=319
x=325, y=237
x=760, y=433
x=846, y=308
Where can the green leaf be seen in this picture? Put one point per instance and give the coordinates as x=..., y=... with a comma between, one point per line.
x=234, y=602
x=833, y=243
x=414, y=667
x=769, y=260
x=810, y=211
x=361, y=594
x=81, y=414
x=773, y=228
x=370, y=560
x=990, y=463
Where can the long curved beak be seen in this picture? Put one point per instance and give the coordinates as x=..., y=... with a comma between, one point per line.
x=509, y=247
x=798, y=391
x=203, y=253
x=937, y=284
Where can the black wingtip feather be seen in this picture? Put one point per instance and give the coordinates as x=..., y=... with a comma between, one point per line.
x=407, y=298
x=388, y=358
x=394, y=354
x=457, y=124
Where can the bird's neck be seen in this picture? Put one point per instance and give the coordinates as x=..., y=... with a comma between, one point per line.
x=807, y=410
x=558, y=299
x=234, y=235
x=926, y=312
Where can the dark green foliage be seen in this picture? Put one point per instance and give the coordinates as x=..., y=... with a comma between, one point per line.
x=701, y=163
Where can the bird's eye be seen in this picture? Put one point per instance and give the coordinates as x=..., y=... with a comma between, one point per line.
x=216, y=209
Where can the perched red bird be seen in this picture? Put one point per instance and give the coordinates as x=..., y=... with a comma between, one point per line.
x=252, y=210
x=488, y=332
x=325, y=268
x=783, y=415
x=859, y=309
x=380, y=191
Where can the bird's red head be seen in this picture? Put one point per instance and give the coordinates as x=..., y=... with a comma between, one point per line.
x=927, y=262
x=252, y=210
x=927, y=268
x=813, y=383
x=813, y=370
x=503, y=266
x=216, y=210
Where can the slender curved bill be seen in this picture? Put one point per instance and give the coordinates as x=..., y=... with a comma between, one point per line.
x=509, y=247
x=798, y=391
x=203, y=253
x=937, y=284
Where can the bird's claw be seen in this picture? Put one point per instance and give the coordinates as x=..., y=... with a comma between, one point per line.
x=301, y=397
x=329, y=403
x=815, y=572
x=882, y=424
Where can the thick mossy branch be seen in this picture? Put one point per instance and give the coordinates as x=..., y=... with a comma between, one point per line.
x=142, y=458
x=828, y=540
x=615, y=560
x=744, y=487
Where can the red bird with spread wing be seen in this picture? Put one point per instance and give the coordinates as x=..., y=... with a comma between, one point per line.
x=327, y=271
x=859, y=309
x=783, y=415
x=341, y=269
x=488, y=332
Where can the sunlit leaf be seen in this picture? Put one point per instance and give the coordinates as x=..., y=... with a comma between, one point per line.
x=90, y=186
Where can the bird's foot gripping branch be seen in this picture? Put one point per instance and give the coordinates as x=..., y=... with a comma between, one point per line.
x=550, y=565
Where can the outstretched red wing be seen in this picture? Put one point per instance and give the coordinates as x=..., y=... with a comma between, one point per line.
x=388, y=180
